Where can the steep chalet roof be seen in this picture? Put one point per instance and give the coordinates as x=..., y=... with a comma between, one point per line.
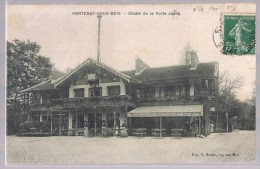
x=88, y=62
x=175, y=72
x=46, y=85
x=53, y=84
x=148, y=75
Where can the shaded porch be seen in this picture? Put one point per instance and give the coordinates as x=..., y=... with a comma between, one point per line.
x=180, y=120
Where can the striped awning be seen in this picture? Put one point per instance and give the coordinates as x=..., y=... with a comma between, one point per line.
x=167, y=111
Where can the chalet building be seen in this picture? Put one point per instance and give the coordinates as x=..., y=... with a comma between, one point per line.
x=95, y=96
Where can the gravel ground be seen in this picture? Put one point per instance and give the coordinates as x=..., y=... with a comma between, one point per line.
x=218, y=147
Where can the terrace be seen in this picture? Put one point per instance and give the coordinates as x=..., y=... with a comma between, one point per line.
x=84, y=102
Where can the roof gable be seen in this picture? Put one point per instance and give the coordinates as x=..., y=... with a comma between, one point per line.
x=88, y=62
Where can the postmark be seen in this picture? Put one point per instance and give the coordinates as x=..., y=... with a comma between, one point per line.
x=237, y=34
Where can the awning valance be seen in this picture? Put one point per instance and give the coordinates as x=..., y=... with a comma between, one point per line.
x=167, y=111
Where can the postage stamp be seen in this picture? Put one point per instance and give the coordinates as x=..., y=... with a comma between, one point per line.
x=238, y=34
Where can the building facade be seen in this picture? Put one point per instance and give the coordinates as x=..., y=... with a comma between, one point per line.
x=93, y=97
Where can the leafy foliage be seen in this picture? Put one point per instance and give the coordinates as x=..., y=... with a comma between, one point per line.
x=26, y=127
x=25, y=68
x=241, y=114
x=56, y=74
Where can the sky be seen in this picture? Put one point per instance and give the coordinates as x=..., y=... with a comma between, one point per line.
x=68, y=38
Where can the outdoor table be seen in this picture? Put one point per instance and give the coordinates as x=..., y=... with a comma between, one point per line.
x=92, y=133
x=107, y=132
x=140, y=132
x=176, y=132
x=156, y=132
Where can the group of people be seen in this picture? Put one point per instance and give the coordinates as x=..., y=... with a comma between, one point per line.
x=119, y=130
x=122, y=131
x=195, y=129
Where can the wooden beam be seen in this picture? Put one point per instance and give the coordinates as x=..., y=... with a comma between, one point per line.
x=130, y=123
x=160, y=126
x=114, y=113
x=76, y=125
x=60, y=123
x=51, y=122
x=28, y=116
x=199, y=126
x=95, y=121
x=126, y=115
x=47, y=115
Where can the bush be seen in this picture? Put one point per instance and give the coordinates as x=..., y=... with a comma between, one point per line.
x=248, y=124
x=34, y=134
x=43, y=127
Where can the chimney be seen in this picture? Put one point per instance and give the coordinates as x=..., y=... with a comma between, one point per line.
x=194, y=61
x=140, y=66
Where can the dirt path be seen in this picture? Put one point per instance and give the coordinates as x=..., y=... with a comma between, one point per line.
x=226, y=147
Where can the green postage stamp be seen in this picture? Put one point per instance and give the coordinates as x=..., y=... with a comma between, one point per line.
x=238, y=34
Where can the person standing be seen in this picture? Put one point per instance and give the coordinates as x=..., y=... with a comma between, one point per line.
x=211, y=127
x=124, y=130
x=85, y=128
x=194, y=129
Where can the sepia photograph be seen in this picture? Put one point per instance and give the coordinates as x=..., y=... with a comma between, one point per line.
x=131, y=84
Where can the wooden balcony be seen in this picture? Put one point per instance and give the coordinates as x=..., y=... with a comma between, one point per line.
x=170, y=100
x=113, y=101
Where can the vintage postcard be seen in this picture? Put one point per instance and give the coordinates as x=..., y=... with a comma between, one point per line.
x=131, y=84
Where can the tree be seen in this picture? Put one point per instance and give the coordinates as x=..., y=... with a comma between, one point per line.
x=253, y=95
x=186, y=54
x=251, y=114
x=56, y=74
x=25, y=68
x=240, y=113
x=228, y=84
x=226, y=101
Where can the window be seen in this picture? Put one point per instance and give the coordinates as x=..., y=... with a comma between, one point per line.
x=212, y=85
x=79, y=92
x=140, y=93
x=177, y=90
x=196, y=90
x=86, y=75
x=187, y=90
x=114, y=77
x=159, y=92
x=95, y=91
x=182, y=90
x=113, y=90
x=91, y=93
x=149, y=92
x=91, y=70
x=205, y=84
x=77, y=81
x=169, y=91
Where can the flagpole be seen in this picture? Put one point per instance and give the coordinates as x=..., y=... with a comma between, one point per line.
x=98, y=52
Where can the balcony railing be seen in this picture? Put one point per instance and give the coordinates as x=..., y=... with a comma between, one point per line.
x=84, y=102
x=171, y=99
